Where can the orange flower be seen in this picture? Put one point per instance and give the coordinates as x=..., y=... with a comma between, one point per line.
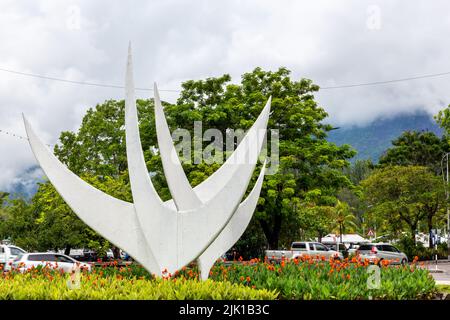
x=348, y=277
x=248, y=279
x=241, y=278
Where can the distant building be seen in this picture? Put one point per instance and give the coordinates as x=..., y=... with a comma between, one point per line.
x=347, y=239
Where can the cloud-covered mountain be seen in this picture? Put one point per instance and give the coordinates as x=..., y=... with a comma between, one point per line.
x=373, y=139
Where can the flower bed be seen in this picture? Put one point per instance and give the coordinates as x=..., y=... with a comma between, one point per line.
x=306, y=278
x=46, y=285
x=309, y=278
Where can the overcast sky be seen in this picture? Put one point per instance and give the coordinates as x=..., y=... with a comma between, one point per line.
x=331, y=42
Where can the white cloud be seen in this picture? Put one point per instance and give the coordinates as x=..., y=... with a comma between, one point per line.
x=331, y=42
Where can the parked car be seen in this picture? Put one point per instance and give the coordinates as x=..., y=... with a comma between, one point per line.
x=342, y=248
x=54, y=260
x=353, y=248
x=8, y=253
x=377, y=252
x=299, y=249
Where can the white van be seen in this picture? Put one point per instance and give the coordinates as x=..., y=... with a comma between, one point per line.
x=8, y=253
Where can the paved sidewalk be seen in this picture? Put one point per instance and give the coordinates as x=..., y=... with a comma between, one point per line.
x=440, y=272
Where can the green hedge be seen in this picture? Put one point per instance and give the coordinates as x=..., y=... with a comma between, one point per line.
x=55, y=287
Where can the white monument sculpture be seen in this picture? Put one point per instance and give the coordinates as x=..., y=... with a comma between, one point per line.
x=199, y=223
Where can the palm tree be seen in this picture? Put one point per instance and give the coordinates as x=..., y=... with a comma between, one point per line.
x=343, y=217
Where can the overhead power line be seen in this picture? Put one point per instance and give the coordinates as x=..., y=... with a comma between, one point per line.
x=15, y=135
x=434, y=75
x=104, y=85
x=77, y=82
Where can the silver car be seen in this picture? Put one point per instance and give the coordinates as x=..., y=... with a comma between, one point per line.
x=53, y=260
x=377, y=252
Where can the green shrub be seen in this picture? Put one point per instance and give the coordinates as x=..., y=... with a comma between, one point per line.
x=329, y=280
x=39, y=286
x=412, y=250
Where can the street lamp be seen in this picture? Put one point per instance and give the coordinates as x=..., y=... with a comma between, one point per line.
x=446, y=198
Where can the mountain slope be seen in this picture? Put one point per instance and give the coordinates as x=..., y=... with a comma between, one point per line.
x=373, y=139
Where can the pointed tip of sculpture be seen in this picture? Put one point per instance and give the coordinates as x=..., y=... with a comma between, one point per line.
x=130, y=56
x=156, y=93
x=129, y=83
x=25, y=121
x=269, y=102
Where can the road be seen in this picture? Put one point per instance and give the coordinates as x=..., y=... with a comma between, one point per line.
x=443, y=274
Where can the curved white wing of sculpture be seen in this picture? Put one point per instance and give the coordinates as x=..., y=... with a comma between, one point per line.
x=114, y=219
x=241, y=218
x=198, y=223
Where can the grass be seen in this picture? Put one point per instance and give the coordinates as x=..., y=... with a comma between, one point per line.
x=443, y=288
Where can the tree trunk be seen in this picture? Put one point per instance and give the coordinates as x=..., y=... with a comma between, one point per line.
x=413, y=233
x=319, y=236
x=272, y=234
x=116, y=252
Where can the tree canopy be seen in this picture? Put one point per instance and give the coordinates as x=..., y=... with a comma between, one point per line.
x=403, y=195
x=417, y=148
x=309, y=166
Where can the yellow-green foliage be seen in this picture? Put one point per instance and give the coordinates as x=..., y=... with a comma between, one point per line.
x=44, y=287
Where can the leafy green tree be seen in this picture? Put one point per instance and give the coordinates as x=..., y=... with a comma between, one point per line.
x=3, y=214
x=404, y=193
x=443, y=119
x=343, y=217
x=47, y=222
x=357, y=172
x=417, y=148
x=18, y=223
x=315, y=220
x=3, y=198
x=308, y=162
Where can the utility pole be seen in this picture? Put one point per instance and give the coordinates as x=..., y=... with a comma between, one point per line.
x=446, y=198
x=448, y=215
